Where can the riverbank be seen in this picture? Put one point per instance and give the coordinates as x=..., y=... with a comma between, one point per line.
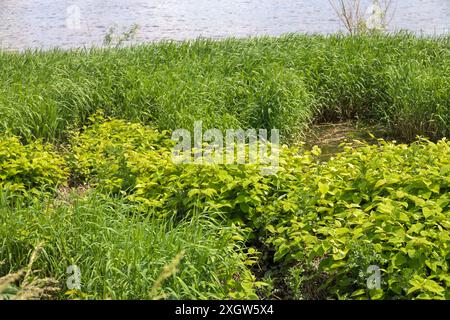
x=91, y=198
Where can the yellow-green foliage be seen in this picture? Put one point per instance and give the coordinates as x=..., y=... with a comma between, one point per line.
x=29, y=168
x=385, y=205
x=107, y=154
x=137, y=161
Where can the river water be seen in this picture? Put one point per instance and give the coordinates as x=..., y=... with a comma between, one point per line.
x=75, y=23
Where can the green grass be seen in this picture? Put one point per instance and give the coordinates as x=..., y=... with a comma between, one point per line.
x=400, y=81
x=121, y=254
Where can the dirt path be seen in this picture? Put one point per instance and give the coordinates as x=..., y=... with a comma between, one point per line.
x=329, y=136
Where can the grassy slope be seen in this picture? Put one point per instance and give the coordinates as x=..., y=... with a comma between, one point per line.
x=401, y=81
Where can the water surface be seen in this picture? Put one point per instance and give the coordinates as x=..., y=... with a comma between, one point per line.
x=49, y=23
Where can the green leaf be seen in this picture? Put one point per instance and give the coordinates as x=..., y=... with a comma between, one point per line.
x=359, y=292
x=433, y=286
x=323, y=188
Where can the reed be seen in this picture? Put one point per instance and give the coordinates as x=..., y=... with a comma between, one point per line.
x=399, y=80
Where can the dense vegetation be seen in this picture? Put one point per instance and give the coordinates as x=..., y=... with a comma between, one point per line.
x=102, y=192
x=401, y=81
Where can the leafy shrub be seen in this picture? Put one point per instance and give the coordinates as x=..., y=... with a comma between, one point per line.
x=136, y=161
x=386, y=205
x=101, y=154
x=29, y=168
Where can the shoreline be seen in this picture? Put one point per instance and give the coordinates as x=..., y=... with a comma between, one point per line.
x=417, y=34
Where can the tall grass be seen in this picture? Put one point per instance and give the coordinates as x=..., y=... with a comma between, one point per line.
x=121, y=255
x=398, y=80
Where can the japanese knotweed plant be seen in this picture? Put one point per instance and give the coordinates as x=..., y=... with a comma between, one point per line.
x=103, y=153
x=136, y=162
x=31, y=168
x=385, y=205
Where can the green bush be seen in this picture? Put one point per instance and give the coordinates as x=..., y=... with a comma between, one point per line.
x=101, y=154
x=29, y=168
x=385, y=205
x=136, y=162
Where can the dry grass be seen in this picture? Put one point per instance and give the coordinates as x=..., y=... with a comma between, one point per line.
x=329, y=136
x=67, y=195
x=168, y=271
x=29, y=286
